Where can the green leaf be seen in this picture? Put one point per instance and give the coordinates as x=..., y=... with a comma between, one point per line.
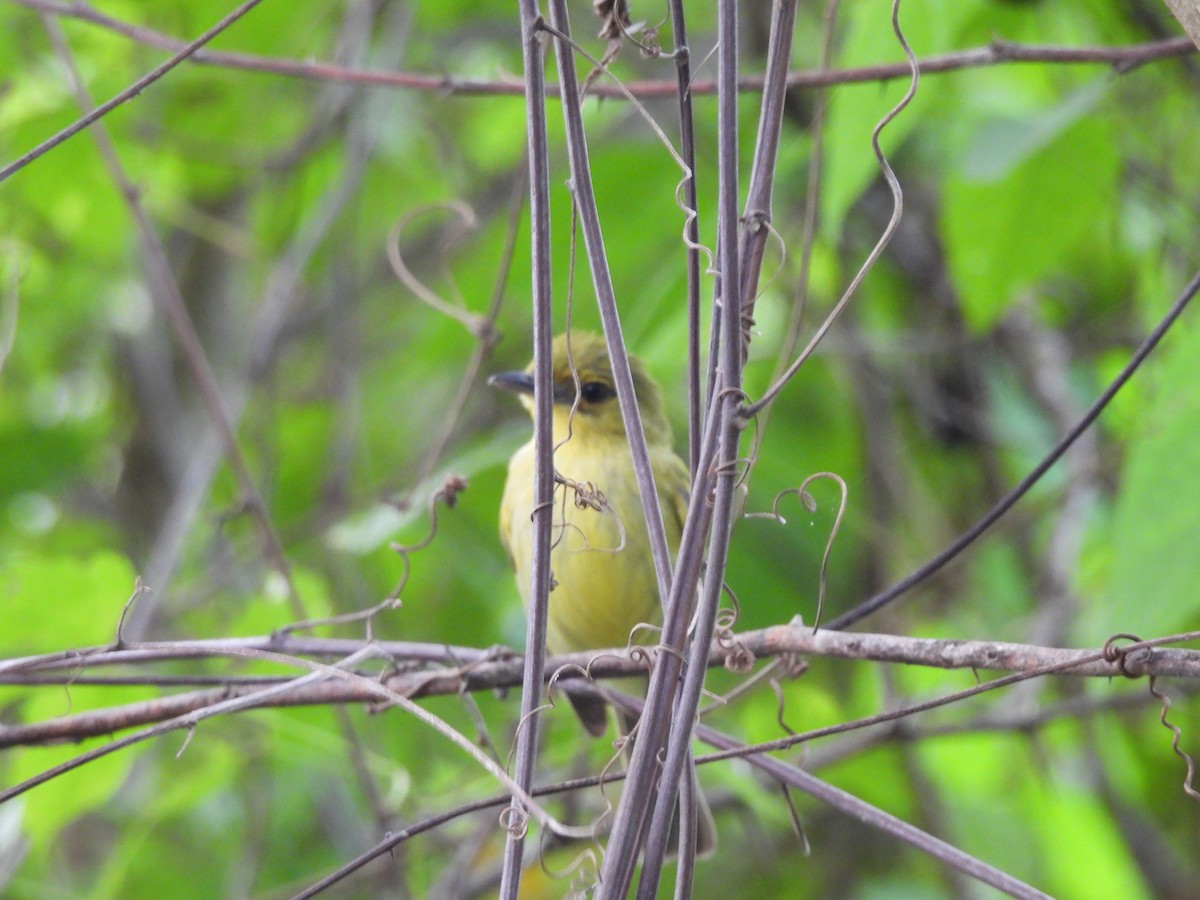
x=1084, y=847
x=37, y=588
x=1033, y=196
x=1157, y=516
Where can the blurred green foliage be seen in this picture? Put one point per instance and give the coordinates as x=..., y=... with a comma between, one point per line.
x=1047, y=206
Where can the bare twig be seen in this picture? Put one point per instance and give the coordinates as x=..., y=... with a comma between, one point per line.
x=467, y=669
x=319, y=672
x=129, y=93
x=487, y=670
x=999, y=52
x=877, y=818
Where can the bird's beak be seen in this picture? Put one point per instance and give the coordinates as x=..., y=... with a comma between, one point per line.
x=517, y=382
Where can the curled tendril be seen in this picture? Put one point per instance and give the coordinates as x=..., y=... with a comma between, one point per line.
x=759, y=220
x=731, y=467
x=1176, y=735
x=650, y=46
x=138, y=589
x=641, y=654
x=1119, y=656
x=735, y=605
x=638, y=653
x=561, y=672
x=515, y=821
x=741, y=395
x=525, y=720
x=633, y=644
x=480, y=326
x=780, y=706
x=585, y=496
x=723, y=630
x=672, y=651
x=738, y=659
x=448, y=494
x=810, y=504
x=583, y=870
x=605, y=772
x=793, y=664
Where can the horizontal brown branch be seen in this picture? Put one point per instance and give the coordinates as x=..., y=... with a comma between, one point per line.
x=446, y=670
x=999, y=52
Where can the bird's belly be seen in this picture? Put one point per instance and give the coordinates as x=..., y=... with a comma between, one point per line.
x=602, y=590
x=604, y=583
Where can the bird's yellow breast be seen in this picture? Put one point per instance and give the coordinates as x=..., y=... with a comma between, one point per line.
x=602, y=568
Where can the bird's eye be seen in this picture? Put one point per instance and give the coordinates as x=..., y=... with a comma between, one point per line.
x=595, y=391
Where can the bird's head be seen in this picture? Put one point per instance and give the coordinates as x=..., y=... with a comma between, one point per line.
x=582, y=370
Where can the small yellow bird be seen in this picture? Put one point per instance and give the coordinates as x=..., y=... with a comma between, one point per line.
x=603, y=580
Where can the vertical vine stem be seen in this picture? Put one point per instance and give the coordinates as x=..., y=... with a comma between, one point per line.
x=757, y=215
x=738, y=286
x=543, y=401
x=639, y=793
x=689, y=798
x=593, y=241
x=725, y=403
x=682, y=55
